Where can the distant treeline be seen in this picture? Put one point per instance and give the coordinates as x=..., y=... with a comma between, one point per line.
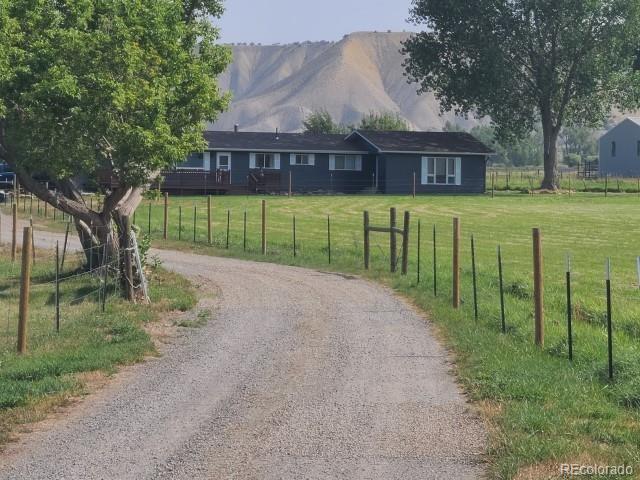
x=577, y=144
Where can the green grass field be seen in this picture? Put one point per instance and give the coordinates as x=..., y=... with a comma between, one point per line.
x=542, y=409
x=89, y=340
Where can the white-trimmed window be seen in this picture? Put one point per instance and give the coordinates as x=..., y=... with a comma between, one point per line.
x=345, y=162
x=267, y=161
x=195, y=161
x=441, y=171
x=223, y=161
x=302, y=159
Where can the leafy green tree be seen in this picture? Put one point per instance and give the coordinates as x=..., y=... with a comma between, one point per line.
x=105, y=89
x=383, y=121
x=522, y=62
x=579, y=141
x=320, y=121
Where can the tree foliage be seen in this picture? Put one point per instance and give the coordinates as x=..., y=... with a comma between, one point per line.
x=383, y=121
x=526, y=62
x=320, y=121
x=112, y=88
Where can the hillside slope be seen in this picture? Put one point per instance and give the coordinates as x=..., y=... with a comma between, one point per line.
x=277, y=86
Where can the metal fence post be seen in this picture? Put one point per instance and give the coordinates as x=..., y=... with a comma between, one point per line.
x=538, y=287
x=25, y=286
x=456, y=263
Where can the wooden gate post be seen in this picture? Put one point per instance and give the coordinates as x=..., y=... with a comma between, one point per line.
x=264, y=227
x=165, y=223
x=366, y=240
x=405, y=243
x=456, y=263
x=14, y=231
x=393, y=244
x=538, y=287
x=25, y=285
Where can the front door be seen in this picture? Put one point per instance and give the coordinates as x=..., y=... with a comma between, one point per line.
x=223, y=166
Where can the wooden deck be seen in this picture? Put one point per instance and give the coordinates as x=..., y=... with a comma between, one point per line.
x=203, y=182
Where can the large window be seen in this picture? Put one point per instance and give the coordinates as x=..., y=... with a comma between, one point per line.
x=302, y=159
x=194, y=161
x=265, y=160
x=345, y=162
x=441, y=171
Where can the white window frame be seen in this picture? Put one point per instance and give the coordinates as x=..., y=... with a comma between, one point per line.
x=429, y=177
x=357, y=162
x=253, y=163
x=223, y=154
x=311, y=159
x=204, y=163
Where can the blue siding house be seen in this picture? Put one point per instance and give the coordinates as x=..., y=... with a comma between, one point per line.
x=361, y=162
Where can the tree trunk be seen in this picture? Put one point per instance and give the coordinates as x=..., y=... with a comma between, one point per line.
x=95, y=229
x=550, y=134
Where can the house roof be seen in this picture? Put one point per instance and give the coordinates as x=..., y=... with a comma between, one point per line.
x=359, y=141
x=424, y=142
x=296, y=142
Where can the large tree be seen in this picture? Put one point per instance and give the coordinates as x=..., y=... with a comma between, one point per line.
x=105, y=89
x=557, y=62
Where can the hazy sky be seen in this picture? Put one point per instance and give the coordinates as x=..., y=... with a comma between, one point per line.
x=285, y=21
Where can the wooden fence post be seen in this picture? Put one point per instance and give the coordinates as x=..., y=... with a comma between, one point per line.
x=209, y=219
x=393, y=243
x=405, y=243
x=64, y=247
x=538, y=287
x=366, y=240
x=195, y=222
x=14, y=231
x=25, y=285
x=128, y=264
x=414, y=184
x=33, y=241
x=456, y=263
x=165, y=223
x=264, y=227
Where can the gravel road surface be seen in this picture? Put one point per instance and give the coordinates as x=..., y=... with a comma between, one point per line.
x=300, y=374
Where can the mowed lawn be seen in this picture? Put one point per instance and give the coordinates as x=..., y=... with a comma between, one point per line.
x=542, y=410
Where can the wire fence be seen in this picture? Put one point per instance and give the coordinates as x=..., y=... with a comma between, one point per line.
x=586, y=319
x=59, y=291
x=496, y=286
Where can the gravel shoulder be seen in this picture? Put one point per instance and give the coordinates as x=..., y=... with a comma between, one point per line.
x=300, y=374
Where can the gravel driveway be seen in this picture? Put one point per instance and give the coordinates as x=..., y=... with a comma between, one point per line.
x=300, y=374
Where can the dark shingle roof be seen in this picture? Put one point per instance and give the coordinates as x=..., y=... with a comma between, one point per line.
x=420, y=142
x=285, y=141
x=425, y=142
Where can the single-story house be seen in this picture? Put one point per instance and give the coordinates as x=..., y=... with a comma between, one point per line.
x=360, y=162
x=620, y=150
